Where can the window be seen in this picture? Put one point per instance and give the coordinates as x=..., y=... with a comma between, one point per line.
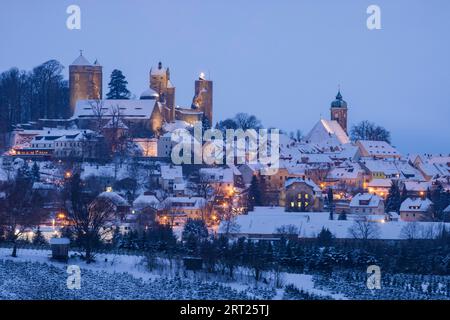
x=292, y=204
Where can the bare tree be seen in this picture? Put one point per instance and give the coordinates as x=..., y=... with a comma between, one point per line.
x=366, y=130
x=99, y=113
x=289, y=230
x=364, y=230
x=91, y=216
x=410, y=231
x=20, y=211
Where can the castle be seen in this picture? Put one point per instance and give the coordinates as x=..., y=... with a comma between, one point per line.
x=85, y=81
x=155, y=108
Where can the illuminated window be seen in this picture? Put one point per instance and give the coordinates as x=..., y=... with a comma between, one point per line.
x=299, y=204
x=306, y=196
x=306, y=204
x=292, y=204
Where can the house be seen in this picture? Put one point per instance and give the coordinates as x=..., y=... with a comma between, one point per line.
x=57, y=143
x=248, y=170
x=416, y=189
x=145, y=208
x=390, y=169
x=380, y=187
x=221, y=180
x=145, y=201
x=366, y=204
x=170, y=175
x=164, y=145
x=416, y=209
x=176, y=210
x=345, y=177
x=122, y=207
x=377, y=149
x=301, y=195
x=148, y=147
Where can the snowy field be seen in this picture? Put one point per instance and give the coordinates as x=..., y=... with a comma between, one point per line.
x=33, y=276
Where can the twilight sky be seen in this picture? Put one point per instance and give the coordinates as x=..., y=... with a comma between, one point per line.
x=280, y=60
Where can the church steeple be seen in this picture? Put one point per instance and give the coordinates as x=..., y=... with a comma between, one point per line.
x=339, y=110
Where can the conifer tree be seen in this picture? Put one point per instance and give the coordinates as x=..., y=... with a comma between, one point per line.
x=331, y=202
x=118, y=86
x=254, y=194
x=35, y=174
x=394, y=199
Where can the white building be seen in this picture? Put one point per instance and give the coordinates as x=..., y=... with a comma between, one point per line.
x=416, y=209
x=366, y=204
x=171, y=175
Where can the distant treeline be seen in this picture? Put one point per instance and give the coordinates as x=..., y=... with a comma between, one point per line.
x=31, y=95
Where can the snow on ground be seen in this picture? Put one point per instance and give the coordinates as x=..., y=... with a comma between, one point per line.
x=32, y=275
x=266, y=221
x=306, y=282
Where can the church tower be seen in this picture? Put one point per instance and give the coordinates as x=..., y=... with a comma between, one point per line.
x=339, y=111
x=203, y=98
x=85, y=81
x=160, y=82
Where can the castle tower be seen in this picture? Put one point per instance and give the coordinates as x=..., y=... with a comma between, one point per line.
x=339, y=111
x=203, y=99
x=160, y=82
x=97, y=89
x=85, y=81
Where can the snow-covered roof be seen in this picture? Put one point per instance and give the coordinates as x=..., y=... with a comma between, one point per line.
x=348, y=172
x=266, y=221
x=430, y=169
x=417, y=186
x=308, y=182
x=394, y=168
x=81, y=61
x=377, y=148
x=171, y=172
x=115, y=198
x=365, y=200
x=158, y=71
x=185, y=202
x=145, y=200
x=59, y=241
x=416, y=205
x=380, y=183
x=328, y=132
x=347, y=152
x=44, y=186
x=224, y=175
x=129, y=109
x=149, y=94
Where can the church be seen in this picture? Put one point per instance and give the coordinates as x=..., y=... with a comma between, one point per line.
x=155, y=109
x=331, y=133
